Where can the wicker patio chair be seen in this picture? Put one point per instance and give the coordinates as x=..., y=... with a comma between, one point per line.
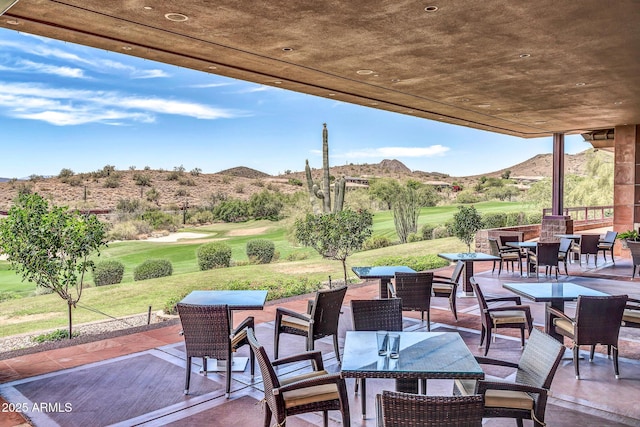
x=634, y=247
x=546, y=255
x=506, y=257
x=396, y=409
x=631, y=315
x=563, y=253
x=322, y=321
x=588, y=245
x=606, y=245
x=526, y=397
x=511, y=316
x=503, y=240
x=315, y=391
x=376, y=315
x=414, y=289
x=447, y=287
x=597, y=321
x=207, y=334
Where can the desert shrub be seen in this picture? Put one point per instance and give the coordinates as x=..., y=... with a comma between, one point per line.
x=494, y=220
x=57, y=335
x=440, y=232
x=413, y=237
x=195, y=171
x=184, y=180
x=152, y=195
x=265, y=205
x=128, y=230
x=128, y=205
x=74, y=181
x=418, y=262
x=214, y=255
x=112, y=181
x=24, y=188
x=427, y=231
x=239, y=188
x=297, y=256
x=108, y=272
x=159, y=220
x=295, y=181
x=260, y=251
x=376, y=242
x=142, y=179
x=41, y=290
x=182, y=192
x=153, y=268
x=232, y=211
x=466, y=197
x=201, y=217
x=65, y=173
x=173, y=176
x=257, y=183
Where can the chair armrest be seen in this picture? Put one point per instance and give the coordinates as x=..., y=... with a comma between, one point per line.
x=633, y=304
x=484, y=385
x=524, y=308
x=391, y=290
x=443, y=281
x=496, y=362
x=246, y=323
x=559, y=313
x=445, y=278
x=280, y=311
x=515, y=299
x=309, y=382
x=315, y=356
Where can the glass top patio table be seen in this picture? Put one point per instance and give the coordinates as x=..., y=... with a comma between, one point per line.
x=384, y=273
x=235, y=299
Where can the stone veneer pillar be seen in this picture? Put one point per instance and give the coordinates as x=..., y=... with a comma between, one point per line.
x=626, y=180
x=553, y=225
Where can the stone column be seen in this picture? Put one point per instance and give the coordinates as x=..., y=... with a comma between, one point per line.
x=626, y=180
x=553, y=225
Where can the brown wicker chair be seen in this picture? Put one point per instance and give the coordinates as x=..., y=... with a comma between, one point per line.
x=447, y=287
x=606, y=244
x=588, y=245
x=503, y=240
x=414, y=289
x=396, y=409
x=207, y=333
x=507, y=256
x=512, y=316
x=526, y=398
x=308, y=392
x=546, y=255
x=563, y=253
x=631, y=315
x=597, y=321
x=375, y=315
x=322, y=321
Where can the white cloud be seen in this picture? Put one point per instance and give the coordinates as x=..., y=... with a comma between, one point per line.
x=254, y=89
x=208, y=85
x=63, y=107
x=395, y=152
x=148, y=74
x=37, y=67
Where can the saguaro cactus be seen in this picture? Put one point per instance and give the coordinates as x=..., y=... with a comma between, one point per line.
x=324, y=193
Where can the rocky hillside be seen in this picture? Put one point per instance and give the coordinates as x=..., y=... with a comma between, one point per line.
x=174, y=189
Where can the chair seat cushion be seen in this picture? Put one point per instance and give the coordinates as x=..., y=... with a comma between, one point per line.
x=631, y=316
x=510, y=256
x=294, y=378
x=308, y=395
x=508, y=316
x=508, y=399
x=237, y=338
x=294, y=322
x=605, y=245
x=563, y=324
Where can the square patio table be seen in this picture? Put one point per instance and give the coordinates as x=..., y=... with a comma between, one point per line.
x=468, y=258
x=384, y=273
x=423, y=355
x=554, y=294
x=235, y=300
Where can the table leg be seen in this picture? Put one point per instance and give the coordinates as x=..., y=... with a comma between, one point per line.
x=363, y=396
x=468, y=274
x=383, y=291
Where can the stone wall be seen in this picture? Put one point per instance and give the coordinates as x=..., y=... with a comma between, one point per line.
x=526, y=232
x=553, y=225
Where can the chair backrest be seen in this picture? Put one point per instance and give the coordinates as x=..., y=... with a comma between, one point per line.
x=410, y=410
x=482, y=302
x=610, y=237
x=377, y=314
x=508, y=238
x=598, y=319
x=565, y=245
x=493, y=246
x=589, y=243
x=269, y=378
x=206, y=330
x=414, y=289
x=457, y=272
x=326, y=311
x=539, y=360
x=547, y=253
x=634, y=247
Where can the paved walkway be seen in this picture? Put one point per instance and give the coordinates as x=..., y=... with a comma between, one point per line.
x=138, y=379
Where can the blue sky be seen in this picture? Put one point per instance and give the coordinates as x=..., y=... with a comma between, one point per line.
x=69, y=106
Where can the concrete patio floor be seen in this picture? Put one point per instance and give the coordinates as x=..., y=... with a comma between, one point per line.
x=138, y=379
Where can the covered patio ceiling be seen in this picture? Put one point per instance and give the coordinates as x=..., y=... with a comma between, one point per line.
x=528, y=69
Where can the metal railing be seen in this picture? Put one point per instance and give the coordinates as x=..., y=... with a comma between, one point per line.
x=585, y=213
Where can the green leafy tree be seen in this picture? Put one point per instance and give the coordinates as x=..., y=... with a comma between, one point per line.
x=384, y=189
x=50, y=246
x=466, y=222
x=335, y=235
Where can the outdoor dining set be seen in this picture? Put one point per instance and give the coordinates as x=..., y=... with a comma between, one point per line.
x=378, y=347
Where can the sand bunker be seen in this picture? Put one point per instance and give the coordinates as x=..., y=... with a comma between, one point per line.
x=174, y=237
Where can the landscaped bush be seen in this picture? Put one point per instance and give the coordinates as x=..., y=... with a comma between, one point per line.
x=233, y=210
x=153, y=268
x=515, y=218
x=159, y=220
x=534, y=218
x=170, y=307
x=260, y=251
x=494, y=220
x=376, y=242
x=467, y=196
x=200, y=217
x=214, y=255
x=413, y=237
x=440, y=232
x=278, y=288
x=427, y=232
x=129, y=230
x=108, y=272
x=418, y=262
x=297, y=256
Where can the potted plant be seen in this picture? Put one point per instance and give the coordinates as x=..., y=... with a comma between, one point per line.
x=628, y=236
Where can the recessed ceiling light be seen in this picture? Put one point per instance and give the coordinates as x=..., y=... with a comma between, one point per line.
x=464, y=99
x=126, y=47
x=332, y=94
x=176, y=17
x=374, y=103
x=212, y=67
x=484, y=105
x=539, y=122
x=277, y=82
x=580, y=84
x=147, y=8
x=364, y=72
x=431, y=9
x=287, y=49
x=617, y=103
x=525, y=55
x=395, y=80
